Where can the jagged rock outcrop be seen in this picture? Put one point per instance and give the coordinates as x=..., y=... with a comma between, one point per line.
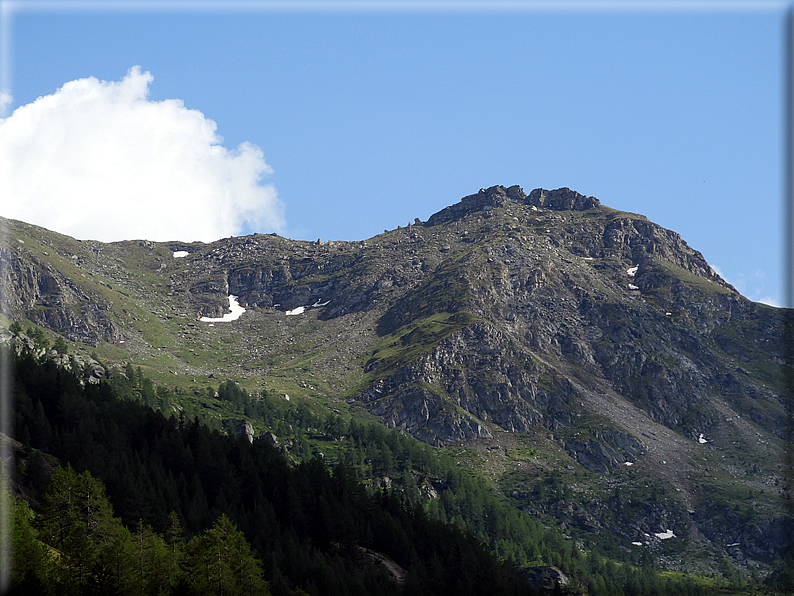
x=499, y=196
x=561, y=199
x=545, y=577
x=761, y=540
x=85, y=368
x=606, y=450
x=244, y=428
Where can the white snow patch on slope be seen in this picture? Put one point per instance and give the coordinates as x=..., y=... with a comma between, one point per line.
x=665, y=535
x=633, y=287
x=633, y=271
x=181, y=253
x=236, y=309
x=296, y=311
x=702, y=439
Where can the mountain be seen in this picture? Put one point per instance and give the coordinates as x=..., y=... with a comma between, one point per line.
x=586, y=361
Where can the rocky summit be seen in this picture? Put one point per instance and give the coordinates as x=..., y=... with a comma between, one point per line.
x=588, y=361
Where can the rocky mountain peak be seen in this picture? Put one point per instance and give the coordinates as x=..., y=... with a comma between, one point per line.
x=561, y=199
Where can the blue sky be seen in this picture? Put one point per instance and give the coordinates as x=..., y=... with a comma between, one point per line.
x=347, y=121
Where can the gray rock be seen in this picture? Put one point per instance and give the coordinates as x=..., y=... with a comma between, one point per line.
x=244, y=427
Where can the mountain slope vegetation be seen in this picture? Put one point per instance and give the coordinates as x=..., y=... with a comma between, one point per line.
x=182, y=491
x=585, y=363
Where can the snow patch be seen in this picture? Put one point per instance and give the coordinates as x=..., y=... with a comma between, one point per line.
x=664, y=535
x=702, y=439
x=319, y=304
x=236, y=311
x=732, y=544
x=181, y=253
x=632, y=271
x=296, y=311
x=628, y=463
x=633, y=287
x=637, y=543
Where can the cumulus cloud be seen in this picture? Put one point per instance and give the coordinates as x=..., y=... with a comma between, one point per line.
x=5, y=101
x=99, y=160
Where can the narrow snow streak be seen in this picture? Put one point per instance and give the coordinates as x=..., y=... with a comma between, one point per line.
x=236, y=309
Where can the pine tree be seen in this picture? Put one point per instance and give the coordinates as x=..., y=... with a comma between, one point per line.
x=152, y=570
x=220, y=562
x=175, y=542
x=31, y=562
x=77, y=519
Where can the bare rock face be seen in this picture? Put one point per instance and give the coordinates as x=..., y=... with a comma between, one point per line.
x=562, y=199
x=608, y=450
x=49, y=298
x=474, y=376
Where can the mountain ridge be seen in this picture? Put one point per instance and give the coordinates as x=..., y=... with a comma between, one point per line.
x=601, y=337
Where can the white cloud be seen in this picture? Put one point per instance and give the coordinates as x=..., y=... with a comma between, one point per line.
x=5, y=101
x=97, y=159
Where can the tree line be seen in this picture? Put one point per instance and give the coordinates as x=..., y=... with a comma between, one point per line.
x=73, y=544
x=305, y=523
x=306, y=520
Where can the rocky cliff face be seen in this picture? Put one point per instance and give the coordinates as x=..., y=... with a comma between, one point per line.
x=48, y=296
x=543, y=315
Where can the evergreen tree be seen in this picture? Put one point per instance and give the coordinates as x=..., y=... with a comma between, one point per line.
x=77, y=520
x=31, y=563
x=152, y=571
x=175, y=543
x=220, y=562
